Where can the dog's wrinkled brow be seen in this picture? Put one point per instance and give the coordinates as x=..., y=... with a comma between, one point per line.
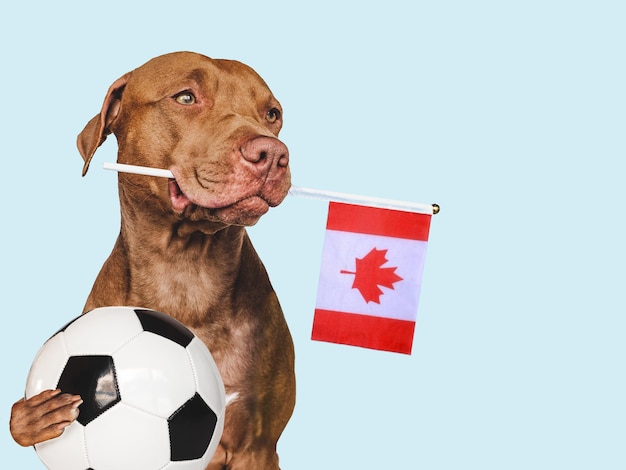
x=197, y=75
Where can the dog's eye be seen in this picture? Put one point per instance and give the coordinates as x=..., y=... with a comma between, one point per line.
x=186, y=97
x=272, y=115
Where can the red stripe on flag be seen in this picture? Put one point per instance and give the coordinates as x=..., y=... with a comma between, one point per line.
x=385, y=334
x=378, y=221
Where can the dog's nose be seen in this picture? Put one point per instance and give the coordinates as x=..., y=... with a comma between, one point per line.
x=266, y=153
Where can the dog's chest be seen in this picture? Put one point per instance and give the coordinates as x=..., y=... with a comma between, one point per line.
x=182, y=286
x=195, y=298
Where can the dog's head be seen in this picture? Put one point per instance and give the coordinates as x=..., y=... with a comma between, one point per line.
x=213, y=123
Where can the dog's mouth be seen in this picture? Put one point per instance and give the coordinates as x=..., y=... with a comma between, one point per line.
x=245, y=210
x=179, y=200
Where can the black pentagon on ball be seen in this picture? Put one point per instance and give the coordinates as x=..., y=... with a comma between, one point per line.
x=191, y=429
x=164, y=325
x=94, y=379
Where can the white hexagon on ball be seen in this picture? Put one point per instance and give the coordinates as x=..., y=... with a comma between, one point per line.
x=143, y=441
x=154, y=374
x=47, y=366
x=209, y=385
x=68, y=453
x=104, y=333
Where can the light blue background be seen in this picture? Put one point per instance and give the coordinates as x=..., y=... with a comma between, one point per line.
x=509, y=114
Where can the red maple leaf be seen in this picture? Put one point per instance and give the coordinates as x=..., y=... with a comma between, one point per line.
x=369, y=275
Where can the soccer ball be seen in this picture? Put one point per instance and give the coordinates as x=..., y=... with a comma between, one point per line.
x=153, y=398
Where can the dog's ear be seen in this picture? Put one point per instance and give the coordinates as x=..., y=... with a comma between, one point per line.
x=97, y=130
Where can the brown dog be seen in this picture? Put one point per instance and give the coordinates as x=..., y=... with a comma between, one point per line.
x=183, y=248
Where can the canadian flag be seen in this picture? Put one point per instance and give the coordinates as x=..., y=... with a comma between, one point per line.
x=371, y=275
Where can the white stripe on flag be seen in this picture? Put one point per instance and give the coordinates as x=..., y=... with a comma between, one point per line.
x=335, y=291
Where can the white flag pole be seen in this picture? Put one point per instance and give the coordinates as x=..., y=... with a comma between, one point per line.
x=297, y=191
x=364, y=200
x=138, y=170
